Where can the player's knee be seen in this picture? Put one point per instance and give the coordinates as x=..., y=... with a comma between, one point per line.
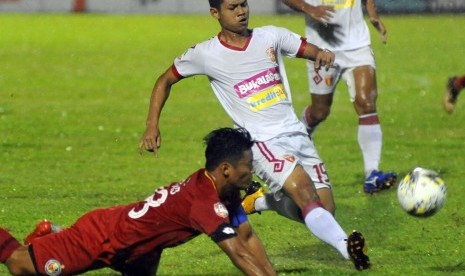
x=20, y=263
x=367, y=108
x=17, y=268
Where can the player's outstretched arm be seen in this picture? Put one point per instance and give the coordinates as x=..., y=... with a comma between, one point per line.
x=375, y=20
x=247, y=252
x=253, y=243
x=322, y=57
x=151, y=139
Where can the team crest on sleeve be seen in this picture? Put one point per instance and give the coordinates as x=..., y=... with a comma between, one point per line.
x=271, y=55
x=53, y=267
x=220, y=210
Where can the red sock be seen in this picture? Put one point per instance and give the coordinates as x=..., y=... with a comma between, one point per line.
x=311, y=120
x=459, y=82
x=368, y=119
x=310, y=207
x=8, y=244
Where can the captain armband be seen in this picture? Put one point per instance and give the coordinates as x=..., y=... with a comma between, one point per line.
x=223, y=232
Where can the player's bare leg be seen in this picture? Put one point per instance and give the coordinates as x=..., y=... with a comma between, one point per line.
x=317, y=111
x=370, y=136
x=318, y=220
x=15, y=256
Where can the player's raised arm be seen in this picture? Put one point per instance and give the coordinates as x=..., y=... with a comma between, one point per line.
x=151, y=139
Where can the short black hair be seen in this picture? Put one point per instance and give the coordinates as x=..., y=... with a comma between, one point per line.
x=226, y=144
x=215, y=4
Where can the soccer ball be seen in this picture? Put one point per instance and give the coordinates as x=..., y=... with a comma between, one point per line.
x=422, y=192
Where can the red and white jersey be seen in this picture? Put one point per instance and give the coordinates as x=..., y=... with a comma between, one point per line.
x=250, y=82
x=347, y=30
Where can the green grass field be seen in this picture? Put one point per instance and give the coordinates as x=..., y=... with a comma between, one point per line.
x=74, y=93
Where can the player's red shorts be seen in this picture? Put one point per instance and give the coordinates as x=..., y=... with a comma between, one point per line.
x=76, y=249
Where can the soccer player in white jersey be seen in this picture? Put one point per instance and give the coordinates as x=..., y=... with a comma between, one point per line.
x=246, y=72
x=338, y=25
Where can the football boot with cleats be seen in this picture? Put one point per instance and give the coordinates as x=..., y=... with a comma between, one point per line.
x=378, y=180
x=254, y=191
x=356, y=247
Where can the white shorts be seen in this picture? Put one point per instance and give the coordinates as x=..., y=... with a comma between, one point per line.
x=324, y=82
x=275, y=159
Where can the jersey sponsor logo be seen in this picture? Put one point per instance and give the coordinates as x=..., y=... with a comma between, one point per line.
x=339, y=4
x=220, y=210
x=259, y=82
x=267, y=98
x=53, y=267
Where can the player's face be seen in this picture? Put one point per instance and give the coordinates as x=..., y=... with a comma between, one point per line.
x=242, y=172
x=233, y=15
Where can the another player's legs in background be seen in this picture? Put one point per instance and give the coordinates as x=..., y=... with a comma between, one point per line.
x=370, y=140
x=453, y=87
x=361, y=82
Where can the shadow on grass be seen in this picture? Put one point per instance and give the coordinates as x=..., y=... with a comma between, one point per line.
x=460, y=267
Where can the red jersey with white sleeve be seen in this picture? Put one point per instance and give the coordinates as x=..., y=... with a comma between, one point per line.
x=250, y=82
x=120, y=235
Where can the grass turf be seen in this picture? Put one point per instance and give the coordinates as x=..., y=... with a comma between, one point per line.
x=74, y=93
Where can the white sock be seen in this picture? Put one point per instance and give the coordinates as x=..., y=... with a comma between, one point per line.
x=323, y=225
x=370, y=139
x=261, y=204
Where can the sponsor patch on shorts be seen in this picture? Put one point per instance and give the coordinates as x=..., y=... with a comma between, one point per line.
x=53, y=267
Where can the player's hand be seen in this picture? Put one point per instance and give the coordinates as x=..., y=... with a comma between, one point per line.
x=150, y=141
x=378, y=24
x=324, y=58
x=321, y=14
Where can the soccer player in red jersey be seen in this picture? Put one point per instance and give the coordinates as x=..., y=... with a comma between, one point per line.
x=130, y=238
x=454, y=85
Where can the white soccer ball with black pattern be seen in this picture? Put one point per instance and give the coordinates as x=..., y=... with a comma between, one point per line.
x=422, y=192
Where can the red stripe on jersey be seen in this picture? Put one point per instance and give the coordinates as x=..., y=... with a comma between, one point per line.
x=369, y=119
x=302, y=47
x=176, y=73
x=278, y=163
